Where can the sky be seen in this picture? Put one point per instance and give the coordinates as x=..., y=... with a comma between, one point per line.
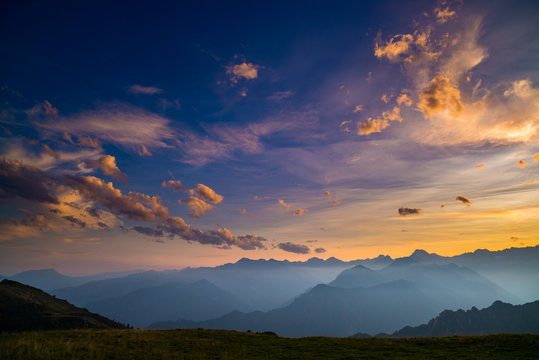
x=161, y=135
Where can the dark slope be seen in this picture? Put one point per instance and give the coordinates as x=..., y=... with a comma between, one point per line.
x=499, y=318
x=24, y=308
x=200, y=300
x=331, y=311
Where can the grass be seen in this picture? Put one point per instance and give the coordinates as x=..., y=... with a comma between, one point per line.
x=221, y=344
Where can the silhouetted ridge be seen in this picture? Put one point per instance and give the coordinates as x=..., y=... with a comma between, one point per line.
x=499, y=318
x=24, y=308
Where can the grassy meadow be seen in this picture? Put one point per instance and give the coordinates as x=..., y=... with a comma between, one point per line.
x=220, y=344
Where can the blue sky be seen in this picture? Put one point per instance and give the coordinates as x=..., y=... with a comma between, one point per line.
x=287, y=130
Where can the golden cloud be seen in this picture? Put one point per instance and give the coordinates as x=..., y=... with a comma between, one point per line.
x=371, y=125
x=198, y=207
x=440, y=95
x=244, y=70
x=107, y=164
x=404, y=99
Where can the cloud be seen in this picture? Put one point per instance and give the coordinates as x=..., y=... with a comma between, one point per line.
x=27, y=182
x=328, y=194
x=95, y=189
x=319, y=250
x=299, y=212
x=244, y=70
x=522, y=163
x=386, y=98
x=175, y=185
x=243, y=211
x=143, y=151
x=463, y=200
x=46, y=149
x=206, y=193
x=405, y=211
x=536, y=157
x=394, y=48
x=480, y=166
x=294, y=248
x=394, y=115
x=358, y=108
x=404, y=99
x=107, y=164
x=146, y=90
x=280, y=95
x=121, y=124
x=222, y=141
x=440, y=96
x=198, y=207
x=443, y=14
x=371, y=125
x=75, y=221
x=87, y=141
x=222, y=237
x=283, y=204
x=148, y=231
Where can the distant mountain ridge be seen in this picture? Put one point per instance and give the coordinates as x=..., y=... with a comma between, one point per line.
x=499, y=318
x=24, y=308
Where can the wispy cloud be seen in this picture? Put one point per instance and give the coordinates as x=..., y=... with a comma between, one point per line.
x=145, y=90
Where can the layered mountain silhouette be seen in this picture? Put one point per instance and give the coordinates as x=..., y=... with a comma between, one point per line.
x=50, y=279
x=406, y=292
x=24, y=308
x=331, y=311
x=427, y=284
x=499, y=318
x=200, y=300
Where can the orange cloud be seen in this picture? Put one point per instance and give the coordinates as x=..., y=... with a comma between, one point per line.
x=463, y=200
x=404, y=99
x=107, y=164
x=206, y=193
x=522, y=163
x=536, y=158
x=480, y=166
x=443, y=14
x=440, y=95
x=198, y=207
x=244, y=70
x=358, y=108
x=371, y=125
x=283, y=204
x=299, y=212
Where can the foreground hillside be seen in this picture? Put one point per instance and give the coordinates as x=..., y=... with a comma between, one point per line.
x=24, y=308
x=220, y=344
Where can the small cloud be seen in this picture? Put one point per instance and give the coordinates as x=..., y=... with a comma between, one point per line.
x=358, y=108
x=198, y=207
x=244, y=70
x=440, y=95
x=522, y=163
x=345, y=122
x=280, y=95
x=143, y=151
x=107, y=164
x=514, y=238
x=243, y=211
x=243, y=92
x=47, y=150
x=206, y=193
x=443, y=14
x=75, y=221
x=285, y=205
x=328, y=194
x=529, y=182
x=319, y=250
x=298, y=212
x=463, y=200
x=87, y=141
x=480, y=166
x=404, y=211
x=311, y=241
x=536, y=157
x=404, y=99
x=394, y=115
x=371, y=126
x=145, y=90
x=175, y=185
x=386, y=98
x=335, y=202
x=294, y=248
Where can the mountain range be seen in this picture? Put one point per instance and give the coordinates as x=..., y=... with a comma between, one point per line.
x=295, y=298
